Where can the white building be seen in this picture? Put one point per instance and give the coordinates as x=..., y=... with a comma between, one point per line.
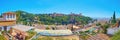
x=111, y=31
x=7, y=20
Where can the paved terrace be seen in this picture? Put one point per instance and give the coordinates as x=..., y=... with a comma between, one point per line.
x=54, y=32
x=22, y=27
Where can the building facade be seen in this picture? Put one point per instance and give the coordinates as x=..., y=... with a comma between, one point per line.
x=7, y=20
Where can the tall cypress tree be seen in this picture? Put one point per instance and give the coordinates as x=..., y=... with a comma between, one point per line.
x=114, y=18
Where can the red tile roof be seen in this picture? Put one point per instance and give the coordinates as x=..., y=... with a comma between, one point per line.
x=8, y=13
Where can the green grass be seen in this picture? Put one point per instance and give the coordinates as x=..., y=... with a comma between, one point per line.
x=116, y=36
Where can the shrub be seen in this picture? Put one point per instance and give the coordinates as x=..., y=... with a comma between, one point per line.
x=116, y=36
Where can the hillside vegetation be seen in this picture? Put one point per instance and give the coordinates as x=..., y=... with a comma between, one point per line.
x=48, y=19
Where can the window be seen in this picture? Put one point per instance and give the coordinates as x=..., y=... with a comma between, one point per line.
x=13, y=16
x=7, y=16
x=10, y=16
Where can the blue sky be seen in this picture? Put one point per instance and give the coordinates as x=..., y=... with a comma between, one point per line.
x=92, y=8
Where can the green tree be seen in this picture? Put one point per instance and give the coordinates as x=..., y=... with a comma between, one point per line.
x=104, y=27
x=98, y=24
x=114, y=18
